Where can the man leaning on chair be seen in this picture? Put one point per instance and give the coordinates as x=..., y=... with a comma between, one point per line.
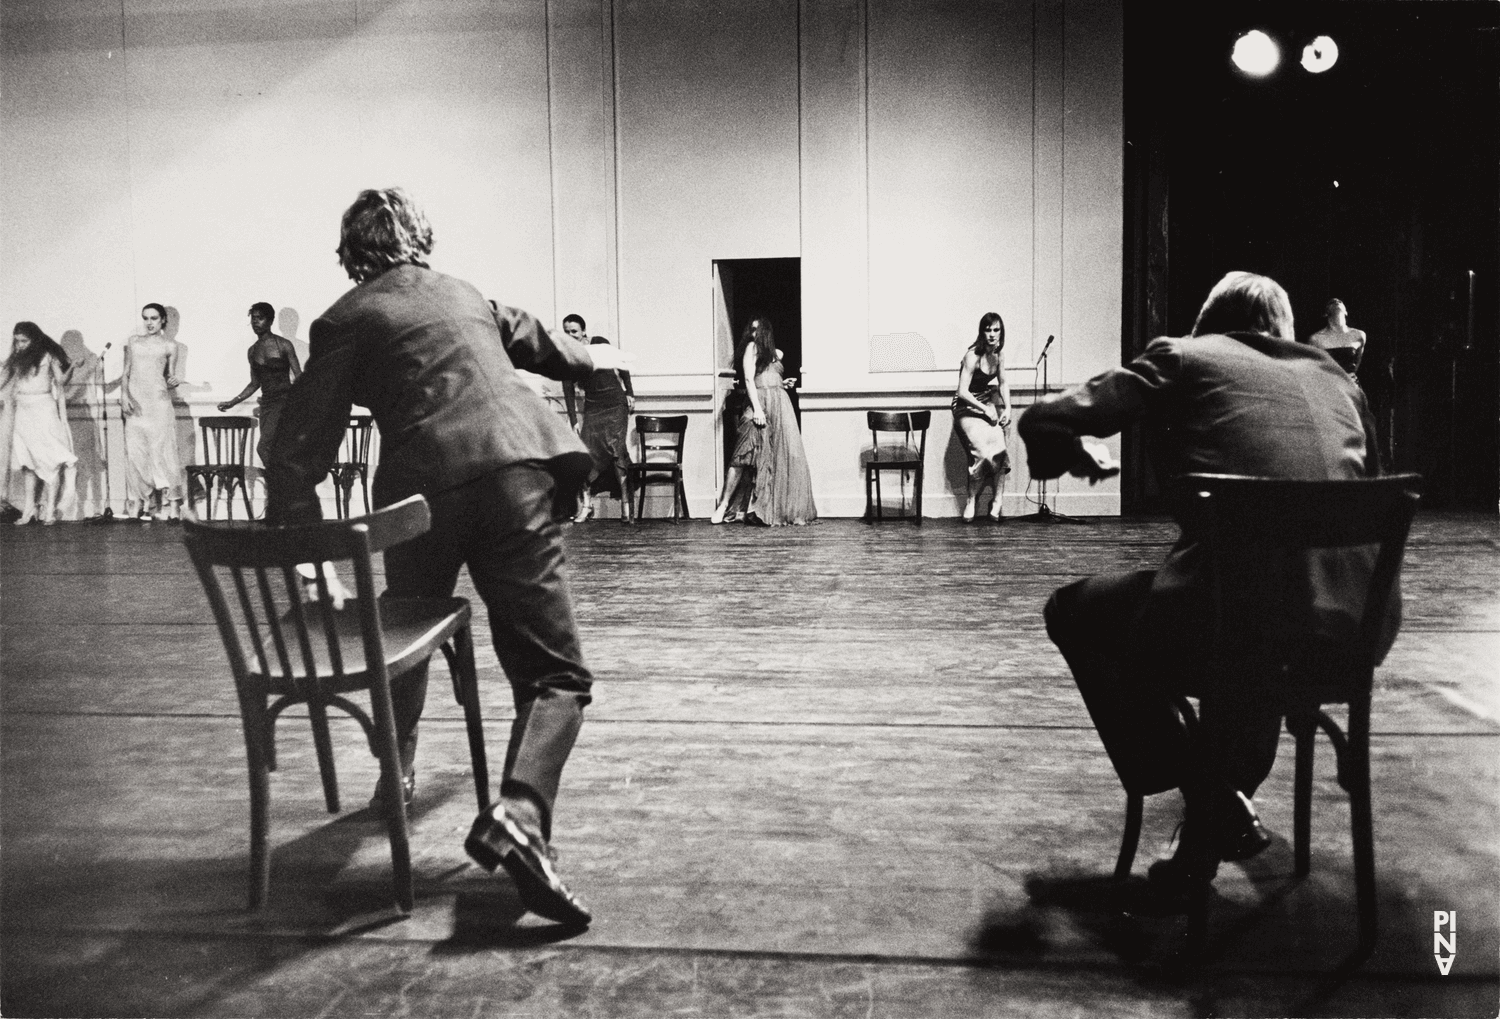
x=1238, y=396
x=436, y=365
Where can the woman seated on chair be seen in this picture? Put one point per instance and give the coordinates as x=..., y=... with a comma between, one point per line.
x=768, y=451
x=981, y=413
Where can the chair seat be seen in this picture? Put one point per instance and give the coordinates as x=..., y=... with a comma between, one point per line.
x=413, y=629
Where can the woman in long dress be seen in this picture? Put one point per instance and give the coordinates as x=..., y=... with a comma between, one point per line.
x=768, y=446
x=152, y=468
x=41, y=446
x=608, y=399
x=981, y=413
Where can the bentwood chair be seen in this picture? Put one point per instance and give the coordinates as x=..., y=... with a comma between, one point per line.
x=226, y=451
x=289, y=643
x=905, y=457
x=659, y=442
x=1259, y=534
x=353, y=464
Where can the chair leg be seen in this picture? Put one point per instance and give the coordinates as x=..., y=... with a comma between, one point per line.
x=1134, y=804
x=869, y=508
x=879, y=499
x=468, y=682
x=1305, y=730
x=1361, y=820
x=682, y=495
x=245, y=494
x=260, y=834
x=396, y=824
x=917, y=498
x=317, y=712
x=257, y=742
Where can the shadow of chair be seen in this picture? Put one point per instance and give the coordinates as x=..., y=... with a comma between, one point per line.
x=226, y=455
x=1258, y=535
x=903, y=456
x=288, y=643
x=659, y=443
x=353, y=464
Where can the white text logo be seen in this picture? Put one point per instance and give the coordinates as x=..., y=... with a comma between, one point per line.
x=1444, y=920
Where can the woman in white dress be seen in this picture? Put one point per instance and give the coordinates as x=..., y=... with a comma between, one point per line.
x=41, y=446
x=153, y=473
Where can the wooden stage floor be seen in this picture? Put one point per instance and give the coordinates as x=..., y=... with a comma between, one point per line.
x=829, y=771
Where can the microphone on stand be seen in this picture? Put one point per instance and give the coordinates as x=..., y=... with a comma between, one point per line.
x=1045, y=348
x=108, y=514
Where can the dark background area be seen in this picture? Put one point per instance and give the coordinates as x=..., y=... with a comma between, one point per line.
x=1374, y=182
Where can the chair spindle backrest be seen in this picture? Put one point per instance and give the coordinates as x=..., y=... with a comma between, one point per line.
x=226, y=440
x=356, y=444
x=280, y=626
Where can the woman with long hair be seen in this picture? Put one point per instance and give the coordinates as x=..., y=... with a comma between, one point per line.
x=981, y=413
x=768, y=445
x=152, y=468
x=41, y=445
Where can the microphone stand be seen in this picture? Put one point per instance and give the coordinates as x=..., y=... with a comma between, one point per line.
x=107, y=515
x=1045, y=514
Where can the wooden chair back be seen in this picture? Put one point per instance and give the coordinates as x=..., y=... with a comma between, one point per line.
x=906, y=423
x=226, y=440
x=660, y=439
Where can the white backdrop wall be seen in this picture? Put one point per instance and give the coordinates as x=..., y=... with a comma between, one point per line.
x=929, y=160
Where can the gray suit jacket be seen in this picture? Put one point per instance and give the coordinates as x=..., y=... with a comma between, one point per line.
x=436, y=366
x=1241, y=404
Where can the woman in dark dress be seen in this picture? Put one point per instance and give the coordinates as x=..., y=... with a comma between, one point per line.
x=273, y=369
x=608, y=400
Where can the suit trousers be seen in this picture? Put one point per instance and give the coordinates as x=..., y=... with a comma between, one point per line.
x=502, y=526
x=1130, y=664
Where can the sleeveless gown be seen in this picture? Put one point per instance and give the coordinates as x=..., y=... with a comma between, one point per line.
x=782, y=492
x=151, y=461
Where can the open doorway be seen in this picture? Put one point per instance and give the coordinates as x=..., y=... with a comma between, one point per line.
x=746, y=288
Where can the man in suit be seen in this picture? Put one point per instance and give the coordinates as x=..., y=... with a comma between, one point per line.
x=1238, y=396
x=436, y=365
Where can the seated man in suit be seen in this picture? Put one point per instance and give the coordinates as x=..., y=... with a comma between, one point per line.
x=437, y=366
x=1238, y=396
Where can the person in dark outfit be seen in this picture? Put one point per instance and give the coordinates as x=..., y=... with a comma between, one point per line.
x=437, y=368
x=608, y=399
x=273, y=369
x=1238, y=396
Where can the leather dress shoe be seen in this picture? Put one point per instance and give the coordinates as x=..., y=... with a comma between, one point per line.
x=408, y=792
x=499, y=840
x=1239, y=835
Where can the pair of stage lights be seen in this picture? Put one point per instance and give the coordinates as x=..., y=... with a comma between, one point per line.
x=1258, y=55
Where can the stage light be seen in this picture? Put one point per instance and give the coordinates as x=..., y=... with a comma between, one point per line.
x=1320, y=54
x=1256, y=53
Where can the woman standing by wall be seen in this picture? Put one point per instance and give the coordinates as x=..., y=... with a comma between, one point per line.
x=981, y=413
x=41, y=446
x=768, y=447
x=273, y=369
x=608, y=399
x=152, y=469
